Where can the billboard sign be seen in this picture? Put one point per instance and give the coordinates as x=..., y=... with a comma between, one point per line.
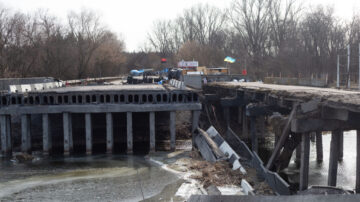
x=188, y=64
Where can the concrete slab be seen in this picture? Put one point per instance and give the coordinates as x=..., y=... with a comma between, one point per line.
x=295, y=198
x=329, y=96
x=102, y=88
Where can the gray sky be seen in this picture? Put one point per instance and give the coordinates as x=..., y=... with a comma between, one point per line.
x=133, y=19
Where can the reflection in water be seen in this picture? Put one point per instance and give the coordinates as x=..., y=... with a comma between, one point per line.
x=318, y=172
x=102, y=177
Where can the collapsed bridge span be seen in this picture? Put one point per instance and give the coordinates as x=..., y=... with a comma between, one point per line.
x=306, y=112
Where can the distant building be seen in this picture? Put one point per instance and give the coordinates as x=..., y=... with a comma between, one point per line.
x=188, y=65
x=217, y=71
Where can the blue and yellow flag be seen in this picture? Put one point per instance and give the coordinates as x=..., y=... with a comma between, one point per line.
x=229, y=59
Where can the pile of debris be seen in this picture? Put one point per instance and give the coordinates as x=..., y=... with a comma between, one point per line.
x=218, y=173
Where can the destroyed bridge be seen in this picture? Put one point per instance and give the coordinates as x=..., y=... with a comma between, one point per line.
x=304, y=111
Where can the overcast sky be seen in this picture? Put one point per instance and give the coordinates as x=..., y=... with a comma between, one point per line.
x=134, y=18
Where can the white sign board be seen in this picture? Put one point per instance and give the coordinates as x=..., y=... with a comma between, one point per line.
x=188, y=64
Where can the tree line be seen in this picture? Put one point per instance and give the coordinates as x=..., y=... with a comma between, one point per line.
x=40, y=45
x=267, y=37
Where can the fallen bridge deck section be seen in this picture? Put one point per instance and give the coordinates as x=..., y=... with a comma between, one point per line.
x=302, y=112
x=328, y=96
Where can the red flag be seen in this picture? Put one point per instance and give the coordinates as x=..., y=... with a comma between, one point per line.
x=244, y=72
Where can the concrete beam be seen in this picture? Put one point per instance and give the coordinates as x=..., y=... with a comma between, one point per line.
x=304, y=166
x=71, y=139
x=310, y=106
x=244, y=124
x=332, y=113
x=8, y=135
x=357, y=181
x=25, y=133
x=311, y=124
x=239, y=118
x=254, y=138
x=66, y=128
x=46, y=134
x=334, y=157
x=172, y=130
x=341, y=145
x=284, y=135
x=319, y=147
x=129, y=133
x=195, y=124
x=88, y=133
x=152, y=131
x=98, y=108
x=109, y=133
x=6, y=143
x=226, y=111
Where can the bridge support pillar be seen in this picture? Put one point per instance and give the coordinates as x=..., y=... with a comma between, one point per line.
x=227, y=117
x=25, y=133
x=312, y=137
x=304, y=166
x=239, y=118
x=109, y=133
x=341, y=145
x=334, y=157
x=152, y=131
x=319, y=147
x=172, y=130
x=129, y=133
x=357, y=183
x=6, y=142
x=71, y=139
x=67, y=133
x=254, y=138
x=88, y=133
x=47, y=144
x=244, y=123
x=195, y=125
x=298, y=156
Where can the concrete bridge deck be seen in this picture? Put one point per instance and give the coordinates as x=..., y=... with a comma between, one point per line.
x=349, y=100
x=93, y=99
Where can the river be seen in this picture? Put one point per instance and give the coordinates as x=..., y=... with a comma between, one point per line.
x=84, y=178
x=318, y=172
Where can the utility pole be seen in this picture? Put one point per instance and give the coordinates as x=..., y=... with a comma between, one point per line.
x=348, y=67
x=338, y=72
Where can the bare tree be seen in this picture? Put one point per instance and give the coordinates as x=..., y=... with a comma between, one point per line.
x=250, y=18
x=88, y=35
x=161, y=38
